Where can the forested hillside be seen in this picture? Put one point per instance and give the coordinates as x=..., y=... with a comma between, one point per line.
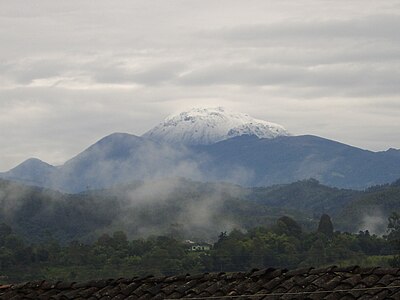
x=188, y=209
x=372, y=207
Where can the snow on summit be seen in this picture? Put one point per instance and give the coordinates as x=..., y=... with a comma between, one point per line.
x=203, y=126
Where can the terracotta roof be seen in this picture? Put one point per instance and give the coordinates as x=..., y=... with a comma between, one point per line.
x=327, y=283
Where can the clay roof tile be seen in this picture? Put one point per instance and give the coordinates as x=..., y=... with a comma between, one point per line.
x=346, y=283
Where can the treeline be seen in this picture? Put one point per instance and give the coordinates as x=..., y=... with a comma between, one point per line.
x=282, y=245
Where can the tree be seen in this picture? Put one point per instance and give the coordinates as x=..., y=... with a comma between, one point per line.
x=288, y=226
x=105, y=240
x=394, y=237
x=394, y=229
x=5, y=231
x=325, y=225
x=119, y=240
x=176, y=231
x=316, y=255
x=221, y=238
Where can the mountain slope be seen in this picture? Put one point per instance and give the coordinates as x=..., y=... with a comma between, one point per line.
x=259, y=162
x=245, y=160
x=306, y=195
x=210, y=125
x=120, y=158
x=32, y=171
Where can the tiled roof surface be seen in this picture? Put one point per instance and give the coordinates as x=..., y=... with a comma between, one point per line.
x=327, y=283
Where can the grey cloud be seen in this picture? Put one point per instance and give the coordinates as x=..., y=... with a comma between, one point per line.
x=241, y=74
x=103, y=69
x=370, y=27
x=153, y=74
x=25, y=71
x=359, y=54
x=368, y=80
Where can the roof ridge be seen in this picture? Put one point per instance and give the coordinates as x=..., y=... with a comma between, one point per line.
x=331, y=280
x=254, y=273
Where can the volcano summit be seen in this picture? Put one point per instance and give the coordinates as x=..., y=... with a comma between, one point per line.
x=205, y=126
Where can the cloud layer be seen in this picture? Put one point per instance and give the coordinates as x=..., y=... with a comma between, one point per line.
x=71, y=73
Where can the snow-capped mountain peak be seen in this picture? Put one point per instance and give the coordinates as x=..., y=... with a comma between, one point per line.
x=203, y=126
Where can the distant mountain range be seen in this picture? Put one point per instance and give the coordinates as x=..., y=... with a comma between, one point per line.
x=213, y=145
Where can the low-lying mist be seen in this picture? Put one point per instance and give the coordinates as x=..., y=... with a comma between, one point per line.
x=175, y=207
x=187, y=209
x=178, y=207
x=121, y=158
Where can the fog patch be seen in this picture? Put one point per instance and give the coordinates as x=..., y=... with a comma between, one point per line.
x=179, y=208
x=10, y=198
x=374, y=222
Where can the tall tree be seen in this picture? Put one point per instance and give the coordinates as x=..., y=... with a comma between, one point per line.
x=325, y=225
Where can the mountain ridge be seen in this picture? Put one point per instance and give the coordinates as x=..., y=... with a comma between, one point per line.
x=244, y=158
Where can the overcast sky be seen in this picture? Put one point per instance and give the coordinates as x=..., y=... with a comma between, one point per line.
x=72, y=72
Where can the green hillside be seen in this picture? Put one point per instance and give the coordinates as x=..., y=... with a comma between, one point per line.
x=187, y=209
x=373, y=206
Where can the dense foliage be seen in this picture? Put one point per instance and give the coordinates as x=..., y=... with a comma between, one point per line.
x=284, y=244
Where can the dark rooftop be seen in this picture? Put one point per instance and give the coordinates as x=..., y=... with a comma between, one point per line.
x=326, y=283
